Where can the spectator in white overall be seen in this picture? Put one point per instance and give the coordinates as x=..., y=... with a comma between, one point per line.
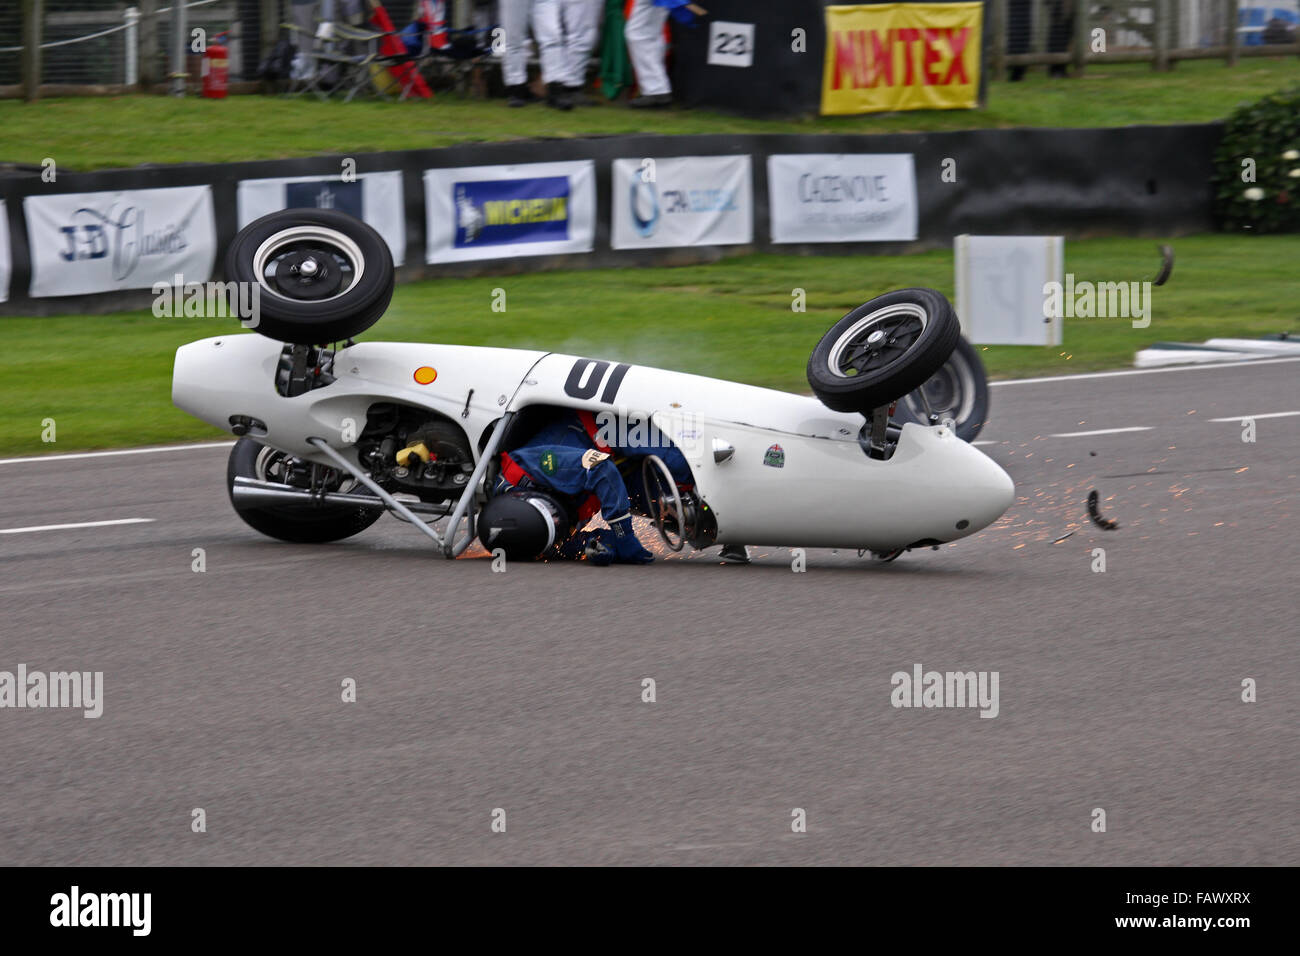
x=545, y=19
x=580, y=24
x=645, y=47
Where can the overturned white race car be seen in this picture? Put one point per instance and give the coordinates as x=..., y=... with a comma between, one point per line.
x=335, y=432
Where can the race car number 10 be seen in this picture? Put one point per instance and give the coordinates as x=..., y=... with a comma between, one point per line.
x=586, y=377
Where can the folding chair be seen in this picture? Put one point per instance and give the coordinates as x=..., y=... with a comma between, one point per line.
x=415, y=54
x=335, y=57
x=365, y=63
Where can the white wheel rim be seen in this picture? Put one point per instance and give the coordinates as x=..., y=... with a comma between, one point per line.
x=295, y=234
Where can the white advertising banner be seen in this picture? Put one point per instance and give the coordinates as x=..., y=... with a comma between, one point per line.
x=106, y=241
x=682, y=201
x=374, y=198
x=500, y=212
x=6, y=269
x=842, y=197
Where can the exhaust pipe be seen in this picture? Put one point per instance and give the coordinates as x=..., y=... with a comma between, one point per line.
x=253, y=492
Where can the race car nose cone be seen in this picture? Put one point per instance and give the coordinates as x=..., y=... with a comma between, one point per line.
x=988, y=492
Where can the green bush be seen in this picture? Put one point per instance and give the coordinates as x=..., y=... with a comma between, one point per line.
x=1267, y=132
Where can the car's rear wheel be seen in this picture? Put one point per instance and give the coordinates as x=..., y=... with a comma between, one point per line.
x=307, y=524
x=882, y=350
x=321, y=275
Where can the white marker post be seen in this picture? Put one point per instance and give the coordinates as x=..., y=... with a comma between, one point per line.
x=1000, y=281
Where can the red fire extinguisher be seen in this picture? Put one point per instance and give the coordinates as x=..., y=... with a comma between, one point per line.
x=215, y=68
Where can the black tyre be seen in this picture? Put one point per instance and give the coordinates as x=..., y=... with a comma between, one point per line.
x=882, y=350
x=959, y=390
x=323, y=275
x=301, y=525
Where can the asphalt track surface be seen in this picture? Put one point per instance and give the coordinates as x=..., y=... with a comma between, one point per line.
x=522, y=691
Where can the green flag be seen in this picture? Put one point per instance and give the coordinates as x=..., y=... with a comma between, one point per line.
x=615, y=67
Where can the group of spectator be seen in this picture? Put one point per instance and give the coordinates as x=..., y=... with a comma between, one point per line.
x=565, y=33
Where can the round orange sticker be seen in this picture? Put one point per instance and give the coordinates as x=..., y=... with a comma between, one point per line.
x=425, y=375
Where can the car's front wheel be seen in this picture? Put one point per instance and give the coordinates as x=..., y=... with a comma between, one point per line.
x=882, y=350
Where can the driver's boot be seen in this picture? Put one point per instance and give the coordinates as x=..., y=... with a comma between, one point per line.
x=627, y=549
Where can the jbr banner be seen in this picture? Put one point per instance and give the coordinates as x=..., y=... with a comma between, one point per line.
x=375, y=198
x=107, y=241
x=848, y=197
x=499, y=212
x=682, y=201
x=901, y=56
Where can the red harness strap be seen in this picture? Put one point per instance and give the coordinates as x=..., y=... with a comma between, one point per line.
x=589, y=423
x=510, y=469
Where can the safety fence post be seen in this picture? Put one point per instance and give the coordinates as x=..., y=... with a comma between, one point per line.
x=131, y=16
x=33, y=17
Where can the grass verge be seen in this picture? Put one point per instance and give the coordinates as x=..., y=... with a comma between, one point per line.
x=97, y=132
x=106, y=380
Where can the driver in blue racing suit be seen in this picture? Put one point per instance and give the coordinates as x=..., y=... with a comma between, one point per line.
x=567, y=456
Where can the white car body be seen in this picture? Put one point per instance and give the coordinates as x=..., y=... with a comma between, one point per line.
x=825, y=492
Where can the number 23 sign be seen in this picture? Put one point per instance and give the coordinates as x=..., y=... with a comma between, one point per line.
x=731, y=44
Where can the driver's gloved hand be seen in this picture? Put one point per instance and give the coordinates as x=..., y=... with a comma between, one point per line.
x=599, y=548
x=627, y=549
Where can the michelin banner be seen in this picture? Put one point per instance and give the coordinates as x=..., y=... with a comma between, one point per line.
x=845, y=197
x=902, y=56
x=108, y=241
x=5, y=268
x=374, y=198
x=500, y=212
x=682, y=201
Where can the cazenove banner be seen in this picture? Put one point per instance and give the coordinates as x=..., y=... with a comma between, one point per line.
x=374, y=198
x=107, y=241
x=682, y=201
x=499, y=212
x=842, y=197
x=901, y=56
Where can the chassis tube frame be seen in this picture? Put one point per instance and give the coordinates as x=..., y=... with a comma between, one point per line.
x=392, y=503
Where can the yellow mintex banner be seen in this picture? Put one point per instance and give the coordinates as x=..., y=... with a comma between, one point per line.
x=901, y=56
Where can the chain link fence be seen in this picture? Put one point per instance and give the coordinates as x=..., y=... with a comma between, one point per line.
x=111, y=43
x=93, y=44
x=1065, y=35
